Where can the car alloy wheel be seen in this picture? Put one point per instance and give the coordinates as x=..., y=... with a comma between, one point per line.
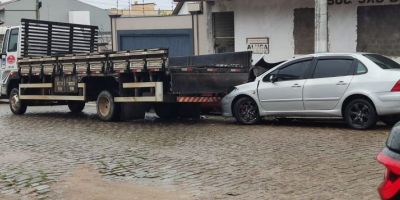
x=246, y=111
x=360, y=114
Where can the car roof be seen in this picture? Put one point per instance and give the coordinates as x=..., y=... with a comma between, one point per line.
x=316, y=55
x=335, y=54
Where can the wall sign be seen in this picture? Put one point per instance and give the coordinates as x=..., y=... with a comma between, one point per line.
x=344, y=2
x=258, y=45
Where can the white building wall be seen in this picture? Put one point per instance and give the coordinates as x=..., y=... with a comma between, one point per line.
x=342, y=21
x=275, y=19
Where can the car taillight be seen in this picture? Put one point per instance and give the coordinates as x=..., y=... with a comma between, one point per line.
x=396, y=87
x=391, y=183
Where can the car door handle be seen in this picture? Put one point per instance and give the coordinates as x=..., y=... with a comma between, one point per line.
x=341, y=83
x=296, y=86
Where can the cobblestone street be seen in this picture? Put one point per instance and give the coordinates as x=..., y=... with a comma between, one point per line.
x=210, y=159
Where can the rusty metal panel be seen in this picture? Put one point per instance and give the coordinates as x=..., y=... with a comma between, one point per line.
x=205, y=83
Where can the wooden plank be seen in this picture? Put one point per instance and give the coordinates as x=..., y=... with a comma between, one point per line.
x=45, y=85
x=140, y=85
x=82, y=85
x=52, y=97
x=159, y=92
x=136, y=99
x=36, y=85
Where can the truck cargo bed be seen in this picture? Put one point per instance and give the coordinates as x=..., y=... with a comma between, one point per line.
x=209, y=74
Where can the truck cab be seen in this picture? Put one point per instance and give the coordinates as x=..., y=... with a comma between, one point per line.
x=10, y=52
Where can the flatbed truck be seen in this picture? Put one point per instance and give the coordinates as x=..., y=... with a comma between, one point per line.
x=52, y=63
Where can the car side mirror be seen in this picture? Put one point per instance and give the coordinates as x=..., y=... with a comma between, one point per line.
x=3, y=55
x=273, y=78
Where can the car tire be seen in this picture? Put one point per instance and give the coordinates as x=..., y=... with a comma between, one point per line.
x=390, y=120
x=360, y=114
x=17, y=106
x=76, y=106
x=107, y=109
x=245, y=110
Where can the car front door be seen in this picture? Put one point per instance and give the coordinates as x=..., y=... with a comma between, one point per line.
x=284, y=91
x=330, y=80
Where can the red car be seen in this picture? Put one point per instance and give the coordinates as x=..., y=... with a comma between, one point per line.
x=390, y=158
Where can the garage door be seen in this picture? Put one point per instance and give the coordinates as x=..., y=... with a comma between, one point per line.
x=379, y=29
x=179, y=42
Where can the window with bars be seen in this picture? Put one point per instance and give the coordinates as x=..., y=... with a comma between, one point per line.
x=224, y=32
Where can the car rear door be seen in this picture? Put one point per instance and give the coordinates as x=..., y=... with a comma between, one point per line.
x=330, y=80
x=286, y=92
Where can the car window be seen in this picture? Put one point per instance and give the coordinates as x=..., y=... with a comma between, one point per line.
x=5, y=43
x=333, y=68
x=361, y=69
x=382, y=61
x=13, y=41
x=268, y=76
x=294, y=71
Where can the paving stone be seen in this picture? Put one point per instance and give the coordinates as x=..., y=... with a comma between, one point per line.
x=213, y=158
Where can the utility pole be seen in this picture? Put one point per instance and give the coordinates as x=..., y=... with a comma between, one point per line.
x=38, y=5
x=321, y=26
x=130, y=5
x=117, y=7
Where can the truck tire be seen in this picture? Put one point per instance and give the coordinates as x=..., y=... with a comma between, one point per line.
x=360, y=114
x=17, y=106
x=167, y=111
x=76, y=106
x=107, y=109
x=245, y=110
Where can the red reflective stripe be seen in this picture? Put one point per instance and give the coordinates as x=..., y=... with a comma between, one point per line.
x=198, y=99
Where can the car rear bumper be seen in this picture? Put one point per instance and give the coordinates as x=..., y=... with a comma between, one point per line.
x=388, y=103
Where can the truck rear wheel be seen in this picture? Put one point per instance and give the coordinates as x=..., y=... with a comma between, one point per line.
x=76, y=106
x=17, y=106
x=107, y=109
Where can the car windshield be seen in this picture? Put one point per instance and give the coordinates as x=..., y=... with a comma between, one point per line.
x=382, y=61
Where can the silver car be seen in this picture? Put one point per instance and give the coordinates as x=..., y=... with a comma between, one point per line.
x=359, y=88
